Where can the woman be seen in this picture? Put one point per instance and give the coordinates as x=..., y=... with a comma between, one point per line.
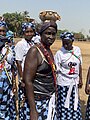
x=23, y=46
x=21, y=50
x=7, y=101
x=68, y=62
x=39, y=76
x=87, y=90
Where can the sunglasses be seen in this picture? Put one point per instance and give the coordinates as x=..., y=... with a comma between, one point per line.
x=2, y=30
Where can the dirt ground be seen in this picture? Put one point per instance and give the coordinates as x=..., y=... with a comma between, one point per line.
x=85, y=49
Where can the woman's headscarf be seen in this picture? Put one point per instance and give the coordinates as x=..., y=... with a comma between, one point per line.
x=45, y=25
x=26, y=25
x=3, y=24
x=67, y=36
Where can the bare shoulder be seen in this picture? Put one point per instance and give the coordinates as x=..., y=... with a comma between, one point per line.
x=33, y=56
x=32, y=51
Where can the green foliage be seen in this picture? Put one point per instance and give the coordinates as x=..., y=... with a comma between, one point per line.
x=59, y=32
x=14, y=20
x=79, y=36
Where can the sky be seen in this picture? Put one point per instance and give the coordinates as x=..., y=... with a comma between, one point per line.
x=75, y=14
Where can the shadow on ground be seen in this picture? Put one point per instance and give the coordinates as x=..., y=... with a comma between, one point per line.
x=83, y=108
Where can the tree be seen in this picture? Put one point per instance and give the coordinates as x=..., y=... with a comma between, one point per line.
x=79, y=36
x=14, y=20
x=59, y=32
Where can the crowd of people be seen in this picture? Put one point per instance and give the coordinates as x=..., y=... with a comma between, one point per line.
x=48, y=85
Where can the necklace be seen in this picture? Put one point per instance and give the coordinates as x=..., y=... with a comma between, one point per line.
x=50, y=60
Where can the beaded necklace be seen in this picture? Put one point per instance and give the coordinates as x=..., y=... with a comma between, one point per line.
x=2, y=63
x=50, y=60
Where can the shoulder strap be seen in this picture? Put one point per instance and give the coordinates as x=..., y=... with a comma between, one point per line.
x=49, y=59
x=43, y=57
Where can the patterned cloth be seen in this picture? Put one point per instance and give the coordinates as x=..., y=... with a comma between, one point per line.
x=7, y=105
x=42, y=109
x=67, y=36
x=27, y=25
x=3, y=24
x=21, y=100
x=67, y=113
x=87, y=117
x=7, y=98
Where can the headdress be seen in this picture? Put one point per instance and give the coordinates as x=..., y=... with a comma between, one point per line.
x=3, y=24
x=45, y=25
x=9, y=34
x=26, y=25
x=67, y=36
x=49, y=19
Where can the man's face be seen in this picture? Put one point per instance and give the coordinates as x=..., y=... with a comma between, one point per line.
x=29, y=33
x=2, y=31
x=48, y=36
